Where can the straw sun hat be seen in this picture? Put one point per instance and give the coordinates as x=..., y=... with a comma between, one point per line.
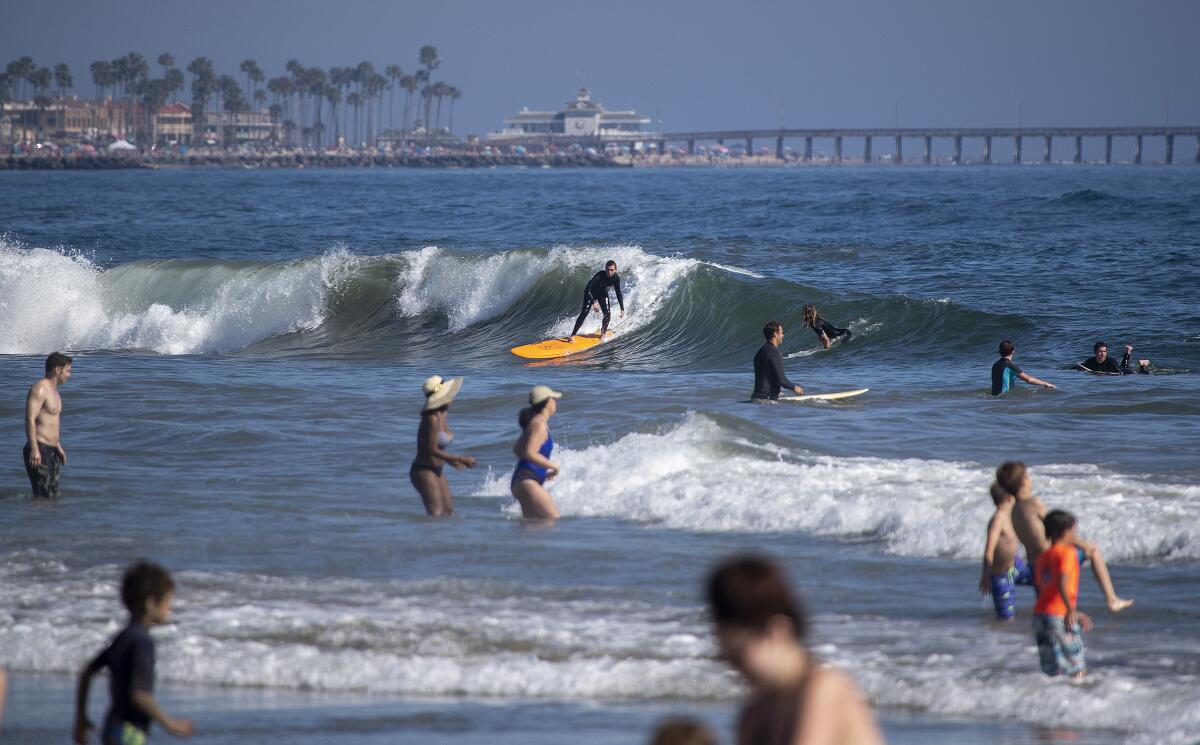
x=540, y=393
x=439, y=392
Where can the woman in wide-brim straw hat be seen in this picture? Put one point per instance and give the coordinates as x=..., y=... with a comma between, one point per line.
x=433, y=437
x=534, y=467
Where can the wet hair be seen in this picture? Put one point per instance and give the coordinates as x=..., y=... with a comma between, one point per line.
x=1006, y=348
x=1057, y=523
x=748, y=591
x=1009, y=476
x=999, y=493
x=809, y=314
x=57, y=359
x=1096, y=347
x=682, y=731
x=770, y=329
x=610, y=263
x=529, y=412
x=143, y=581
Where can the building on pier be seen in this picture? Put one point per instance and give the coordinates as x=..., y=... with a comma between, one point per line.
x=578, y=119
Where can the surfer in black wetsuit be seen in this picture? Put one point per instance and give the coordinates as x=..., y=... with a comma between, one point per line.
x=595, y=295
x=769, y=377
x=825, y=330
x=1101, y=363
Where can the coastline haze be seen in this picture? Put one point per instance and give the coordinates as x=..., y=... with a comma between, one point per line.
x=699, y=66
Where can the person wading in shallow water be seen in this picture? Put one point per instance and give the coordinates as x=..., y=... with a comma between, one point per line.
x=433, y=437
x=44, y=454
x=595, y=296
x=769, y=378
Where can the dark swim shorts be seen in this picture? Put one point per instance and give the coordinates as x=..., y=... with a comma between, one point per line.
x=44, y=478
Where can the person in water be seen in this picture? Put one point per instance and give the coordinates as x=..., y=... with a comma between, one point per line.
x=146, y=591
x=595, y=296
x=44, y=455
x=824, y=330
x=1101, y=363
x=794, y=700
x=1003, y=565
x=534, y=467
x=769, y=378
x=1028, y=517
x=1005, y=373
x=433, y=437
x=1058, y=625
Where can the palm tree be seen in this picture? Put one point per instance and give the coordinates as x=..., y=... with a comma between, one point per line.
x=62, y=79
x=428, y=57
x=421, y=80
x=333, y=94
x=315, y=80
x=296, y=71
x=254, y=75
x=409, y=84
x=454, y=94
x=204, y=78
x=282, y=88
x=233, y=103
x=379, y=84
x=276, y=112
x=19, y=71
x=41, y=79
x=394, y=73
x=355, y=99
x=440, y=90
x=167, y=60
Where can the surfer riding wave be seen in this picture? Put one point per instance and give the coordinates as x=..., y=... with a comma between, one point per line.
x=595, y=296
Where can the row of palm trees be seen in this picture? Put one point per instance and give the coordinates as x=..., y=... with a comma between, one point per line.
x=297, y=99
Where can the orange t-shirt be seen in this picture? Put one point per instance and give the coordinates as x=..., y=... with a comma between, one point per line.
x=1059, y=561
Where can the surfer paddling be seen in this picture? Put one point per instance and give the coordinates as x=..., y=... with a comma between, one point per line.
x=824, y=330
x=1101, y=364
x=595, y=297
x=44, y=454
x=769, y=378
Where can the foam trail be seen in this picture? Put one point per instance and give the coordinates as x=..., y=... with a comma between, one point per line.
x=699, y=476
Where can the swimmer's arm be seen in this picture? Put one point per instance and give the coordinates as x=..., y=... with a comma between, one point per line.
x=431, y=444
x=824, y=340
x=533, y=445
x=82, y=725
x=33, y=406
x=835, y=711
x=144, y=700
x=1035, y=381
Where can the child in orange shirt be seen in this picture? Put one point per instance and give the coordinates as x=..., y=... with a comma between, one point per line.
x=1058, y=625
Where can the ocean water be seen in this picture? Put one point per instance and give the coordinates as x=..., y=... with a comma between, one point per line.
x=249, y=352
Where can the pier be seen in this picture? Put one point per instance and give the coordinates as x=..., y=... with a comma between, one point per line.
x=926, y=136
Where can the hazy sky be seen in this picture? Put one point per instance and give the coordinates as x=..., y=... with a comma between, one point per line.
x=698, y=64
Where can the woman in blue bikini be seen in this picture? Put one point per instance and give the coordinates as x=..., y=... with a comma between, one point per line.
x=534, y=467
x=433, y=437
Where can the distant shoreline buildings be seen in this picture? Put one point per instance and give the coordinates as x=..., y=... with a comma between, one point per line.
x=580, y=119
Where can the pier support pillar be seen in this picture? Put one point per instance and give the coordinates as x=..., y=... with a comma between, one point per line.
x=867, y=150
x=808, y=149
x=691, y=147
x=1108, y=149
x=957, y=150
x=927, y=156
x=749, y=146
x=779, y=147
x=1137, y=150
x=1017, y=149
x=1170, y=149
x=662, y=148
x=987, y=151
x=837, y=149
x=1198, y=148
x=1078, y=149
x=900, y=151
x=1046, y=147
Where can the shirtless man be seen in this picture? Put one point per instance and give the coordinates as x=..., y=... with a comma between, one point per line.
x=1028, y=515
x=1003, y=565
x=44, y=454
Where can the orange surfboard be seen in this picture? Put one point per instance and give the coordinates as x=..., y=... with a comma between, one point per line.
x=552, y=348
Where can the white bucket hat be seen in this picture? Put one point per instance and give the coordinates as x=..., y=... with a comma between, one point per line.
x=540, y=393
x=439, y=392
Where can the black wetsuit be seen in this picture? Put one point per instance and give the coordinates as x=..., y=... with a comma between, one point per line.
x=597, y=292
x=829, y=330
x=769, y=377
x=1109, y=365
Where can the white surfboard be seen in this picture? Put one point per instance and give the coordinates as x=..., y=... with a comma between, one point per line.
x=826, y=396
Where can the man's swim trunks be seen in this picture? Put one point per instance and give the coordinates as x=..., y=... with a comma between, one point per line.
x=1004, y=587
x=44, y=478
x=1060, y=651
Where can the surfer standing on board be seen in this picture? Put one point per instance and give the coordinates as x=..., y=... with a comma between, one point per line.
x=595, y=295
x=769, y=377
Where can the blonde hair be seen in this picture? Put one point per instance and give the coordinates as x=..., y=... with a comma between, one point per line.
x=809, y=313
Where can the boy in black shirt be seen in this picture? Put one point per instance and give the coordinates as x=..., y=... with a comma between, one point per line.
x=1005, y=372
x=147, y=591
x=1101, y=363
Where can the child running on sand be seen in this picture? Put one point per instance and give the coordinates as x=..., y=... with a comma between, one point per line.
x=146, y=591
x=1003, y=565
x=1028, y=515
x=1058, y=625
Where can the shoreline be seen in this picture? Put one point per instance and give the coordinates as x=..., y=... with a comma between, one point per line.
x=288, y=159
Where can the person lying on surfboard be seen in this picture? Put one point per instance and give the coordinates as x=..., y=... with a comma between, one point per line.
x=1101, y=364
x=769, y=378
x=825, y=330
x=595, y=295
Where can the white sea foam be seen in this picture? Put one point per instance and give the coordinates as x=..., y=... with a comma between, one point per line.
x=699, y=476
x=51, y=300
x=447, y=636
